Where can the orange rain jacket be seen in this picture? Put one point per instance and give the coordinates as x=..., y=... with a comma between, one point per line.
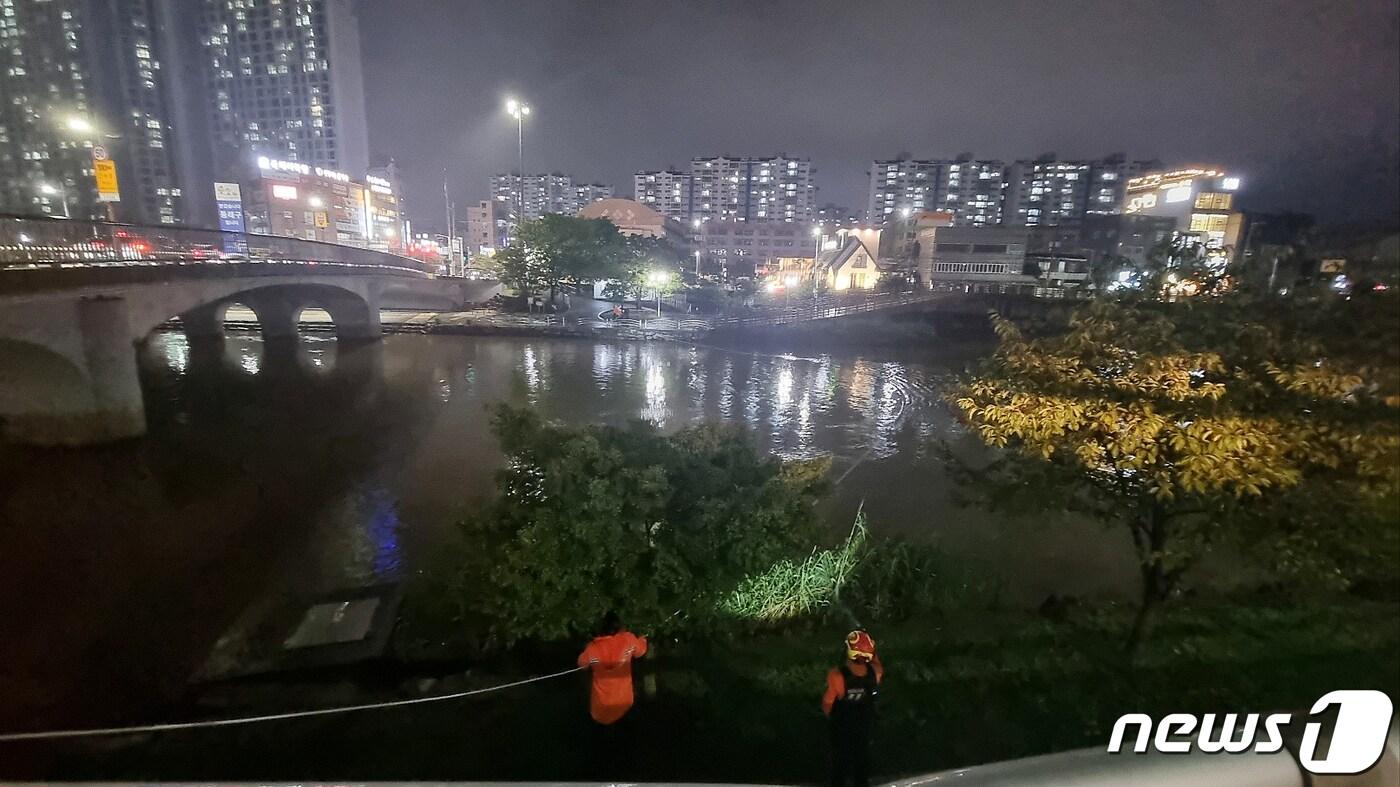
x=609, y=658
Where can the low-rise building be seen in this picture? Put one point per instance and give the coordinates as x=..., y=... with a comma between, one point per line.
x=974, y=259
x=1200, y=201
x=487, y=228
x=746, y=248
x=635, y=219
x=302, y=201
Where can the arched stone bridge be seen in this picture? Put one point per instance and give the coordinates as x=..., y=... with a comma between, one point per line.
x=69, y=329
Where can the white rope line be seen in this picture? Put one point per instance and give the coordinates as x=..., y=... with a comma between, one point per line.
x=30, y=736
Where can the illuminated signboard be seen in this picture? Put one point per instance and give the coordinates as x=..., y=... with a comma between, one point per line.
x=379, y=185
x=1154, y=180
x=281, y=191
x=276, y=165
x=297, y=168
x=1141, y=203
x=1178, y=193
x=331, y=174
x=1230, y=184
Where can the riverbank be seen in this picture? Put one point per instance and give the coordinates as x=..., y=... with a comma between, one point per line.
x=963, y=687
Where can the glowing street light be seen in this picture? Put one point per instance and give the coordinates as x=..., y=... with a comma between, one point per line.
x=519, y=110
x=905, y=212
x=316, y=202
x=658, y=279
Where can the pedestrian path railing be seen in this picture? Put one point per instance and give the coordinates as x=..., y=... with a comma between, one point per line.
x=829, y=307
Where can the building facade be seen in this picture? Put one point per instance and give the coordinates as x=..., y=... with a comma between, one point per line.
x=297, y=200
x=1030, y=192
x=1200, y=201
x=975, y=259
x=586, y=193
x=765, y=189
x=971, y=190
x=487, y=228
x=88, y=79
x=667, y=192
x=543, y=194
x=1047, y=192
x=744, y=248
x=284, y=80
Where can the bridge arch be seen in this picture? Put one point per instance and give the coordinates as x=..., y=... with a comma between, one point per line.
x=278, y=306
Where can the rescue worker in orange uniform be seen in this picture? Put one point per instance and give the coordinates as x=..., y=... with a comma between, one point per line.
x=849, y=702
x=608, y=657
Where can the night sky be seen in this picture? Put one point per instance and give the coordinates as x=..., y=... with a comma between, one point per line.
x=1301, y=98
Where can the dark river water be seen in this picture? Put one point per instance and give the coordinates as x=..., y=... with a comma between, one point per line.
x=278, y=472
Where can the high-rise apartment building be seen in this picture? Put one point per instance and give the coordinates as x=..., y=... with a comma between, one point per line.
x=725, y=188
x=903, y=186
x=1049, y=192
x=284, y=81
x=971, y=190
x=543, y=194
x=586, y=193
x=773, y=188
x=668, y=192
x=1046, y=192
x=1030, y=192
x=90, y=77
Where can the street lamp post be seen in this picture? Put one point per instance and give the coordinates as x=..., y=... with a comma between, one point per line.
x=695, y=224
x=80, y=127
x=816, y=253
x=519, y=110
x=658, y=279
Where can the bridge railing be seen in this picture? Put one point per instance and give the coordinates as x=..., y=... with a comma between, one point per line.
x=37, y=242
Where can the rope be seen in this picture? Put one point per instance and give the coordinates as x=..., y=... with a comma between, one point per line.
x=189, y=725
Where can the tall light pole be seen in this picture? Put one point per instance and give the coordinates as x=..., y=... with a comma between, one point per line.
x=519, y=110
x=80, y=127
x=48, y=191
x=696, y=225
x=658, y=280
x=816, y=253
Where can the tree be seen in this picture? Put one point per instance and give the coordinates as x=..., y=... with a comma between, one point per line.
x=645, y=257
x=1199, y=423
x=599, y=518
x=1178, y=265
x=556, y=251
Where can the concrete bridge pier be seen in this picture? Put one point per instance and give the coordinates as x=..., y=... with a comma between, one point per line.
x=82, y=387
x=204, y=322
x=279, y=312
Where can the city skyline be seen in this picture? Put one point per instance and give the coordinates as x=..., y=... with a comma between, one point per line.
x=1313, y=131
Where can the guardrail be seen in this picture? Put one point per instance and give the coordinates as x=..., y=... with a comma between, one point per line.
x=31, y=242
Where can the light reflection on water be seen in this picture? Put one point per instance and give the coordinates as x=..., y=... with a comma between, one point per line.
x=873, y=417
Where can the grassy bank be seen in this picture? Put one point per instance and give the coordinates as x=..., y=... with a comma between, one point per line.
x=962, y=688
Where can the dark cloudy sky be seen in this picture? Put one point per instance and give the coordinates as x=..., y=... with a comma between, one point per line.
x=1302, y=98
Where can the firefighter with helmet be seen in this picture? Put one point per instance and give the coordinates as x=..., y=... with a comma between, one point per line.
x=849, y=702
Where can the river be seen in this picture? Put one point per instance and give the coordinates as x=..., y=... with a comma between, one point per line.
x=276, y=472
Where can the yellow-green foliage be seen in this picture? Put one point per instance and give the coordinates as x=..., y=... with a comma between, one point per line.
x=791, y=589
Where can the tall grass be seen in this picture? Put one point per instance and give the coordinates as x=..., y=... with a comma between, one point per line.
x=792, y=589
